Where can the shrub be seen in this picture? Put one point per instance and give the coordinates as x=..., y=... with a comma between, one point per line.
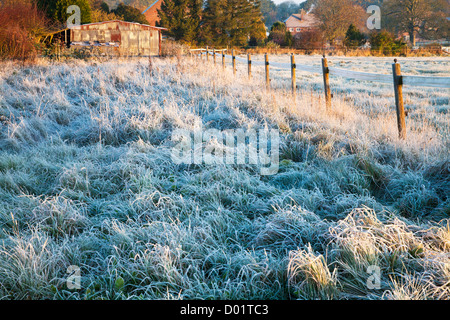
x=21, y=27
x=434, y=48
x=101, y=15
x=384, y=43
x=280, y=35
x=272, y=45
x=309, y=40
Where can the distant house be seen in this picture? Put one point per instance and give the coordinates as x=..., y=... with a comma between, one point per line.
x=298, y=23
x=151, y=13
x=404, y=36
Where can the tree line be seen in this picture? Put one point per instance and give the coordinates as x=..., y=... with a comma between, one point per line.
x=224, y=22
x=243, y=22
x=234, y=22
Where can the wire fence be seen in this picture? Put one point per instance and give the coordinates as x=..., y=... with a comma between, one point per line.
x=397, y=79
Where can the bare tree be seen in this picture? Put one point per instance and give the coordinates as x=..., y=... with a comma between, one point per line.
x=335, y=17
x=416, y=17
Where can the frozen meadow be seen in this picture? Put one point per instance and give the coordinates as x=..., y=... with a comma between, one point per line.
x=87, y=180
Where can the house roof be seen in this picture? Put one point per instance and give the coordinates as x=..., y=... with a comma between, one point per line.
x=152, y=12
x=150, y=6
x=306, y=20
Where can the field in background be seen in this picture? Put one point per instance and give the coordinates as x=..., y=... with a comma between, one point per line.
x=86, y=179
x=422, y=104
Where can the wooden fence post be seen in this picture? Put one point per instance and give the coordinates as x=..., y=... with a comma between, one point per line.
x=233, y=61
x=326, y=83
x=249, y=58
x=207, y=54
x=214, y=56
x=223, y=59
x=398, y=89
x=293, y=84
x=266, y=60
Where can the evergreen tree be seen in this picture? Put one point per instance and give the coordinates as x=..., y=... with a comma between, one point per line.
x=214, y=22
x=104, y=7
x=182, y=19
x=130, y=14
x=56, y=10
x=193, y=20
x=258, y=28
x=354, y=37
x=233, y=22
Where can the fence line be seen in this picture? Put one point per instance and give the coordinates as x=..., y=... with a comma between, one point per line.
x=397, y=79
x=421, y=81
x=363, y=76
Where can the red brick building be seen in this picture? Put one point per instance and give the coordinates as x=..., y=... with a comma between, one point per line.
x=298, y=23
x=151, y=13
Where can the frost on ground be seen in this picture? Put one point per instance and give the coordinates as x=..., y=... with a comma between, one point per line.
x=87, y=180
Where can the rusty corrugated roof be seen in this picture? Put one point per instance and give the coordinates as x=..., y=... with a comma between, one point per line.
x=119, y=21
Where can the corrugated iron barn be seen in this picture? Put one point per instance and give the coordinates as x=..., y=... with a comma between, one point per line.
x=118, y=38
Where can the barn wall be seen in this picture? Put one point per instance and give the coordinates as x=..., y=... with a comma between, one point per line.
x=134, y=39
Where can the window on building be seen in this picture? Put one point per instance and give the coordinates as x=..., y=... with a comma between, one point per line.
x=291, y=29
x=298, y=29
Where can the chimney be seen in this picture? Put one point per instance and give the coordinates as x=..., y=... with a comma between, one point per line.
x=302, y=13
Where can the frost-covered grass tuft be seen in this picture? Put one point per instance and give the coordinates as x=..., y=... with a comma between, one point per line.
x=87, y=180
